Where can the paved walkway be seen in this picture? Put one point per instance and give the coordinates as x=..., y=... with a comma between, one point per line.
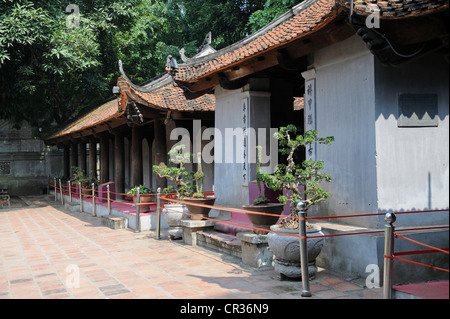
x=48, y=252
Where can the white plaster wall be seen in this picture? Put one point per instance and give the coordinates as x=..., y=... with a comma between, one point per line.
x=412, y=162
x=227, y=176
x=345, y=109
x=229, y=187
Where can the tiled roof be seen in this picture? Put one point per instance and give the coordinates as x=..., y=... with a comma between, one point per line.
x=163, y=94
x=389, y=9
x=299, y=103
x=300, y=21
x=99, y=115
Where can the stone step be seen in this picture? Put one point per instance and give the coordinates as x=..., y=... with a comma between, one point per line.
x=218, y=241
x=114, y=222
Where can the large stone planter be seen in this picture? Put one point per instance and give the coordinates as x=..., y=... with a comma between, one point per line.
x=173, y=214
x=286, y=251
x=263, y=221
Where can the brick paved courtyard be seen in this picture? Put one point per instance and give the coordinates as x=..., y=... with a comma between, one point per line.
x=48, y=252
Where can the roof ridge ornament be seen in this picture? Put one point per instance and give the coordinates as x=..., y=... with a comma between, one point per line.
x=171, y=65
x=204, y=49
x=122, y=73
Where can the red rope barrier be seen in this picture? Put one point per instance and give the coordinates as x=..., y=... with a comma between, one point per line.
x=224, y=208
x=376, y=214
x=173, y=200
x=417, y=252
x=422, y=244
x=416, y=263
x=234, y=224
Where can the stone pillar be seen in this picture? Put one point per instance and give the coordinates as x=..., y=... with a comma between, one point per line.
x=73, y=157
x=66, y=160
x=235, y=160
x=136, y=155
x=104, y=159
x=82, y=157
x=92, y=158
x=119, y=163
x=160, y=150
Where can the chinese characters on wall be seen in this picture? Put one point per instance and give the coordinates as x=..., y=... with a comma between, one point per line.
x=245, y=141
x=310, y=113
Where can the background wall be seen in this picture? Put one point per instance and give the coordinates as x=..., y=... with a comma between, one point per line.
x=345, y=109
x=25, y=162
x=412, y=162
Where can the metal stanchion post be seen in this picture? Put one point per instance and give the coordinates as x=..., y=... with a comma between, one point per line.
x=55, y=188
x=158, y=213
x=93, y=199
x=81, y=197
x=109, y=202
x=389, y=229
x=303, y=250
x=70, y=192
x=138, y=205
x=61, y=192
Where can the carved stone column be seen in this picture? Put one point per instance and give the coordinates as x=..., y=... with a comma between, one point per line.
x=66, y=161
x=92, y=157
x=136, y=155
x=119, y=163
x=104, y=159
x=82, y=156
x=160, y=150
x=73, y=156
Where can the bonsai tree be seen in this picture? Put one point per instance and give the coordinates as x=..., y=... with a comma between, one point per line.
x=86, y=181
x=198, y=178
x=261, y=199
x=293, y=175
x=142, y=190
x=178, y=173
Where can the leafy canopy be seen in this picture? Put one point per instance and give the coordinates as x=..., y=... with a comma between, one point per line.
x=51, y=68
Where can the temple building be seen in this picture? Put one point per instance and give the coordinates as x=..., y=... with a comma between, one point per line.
x=373, y=74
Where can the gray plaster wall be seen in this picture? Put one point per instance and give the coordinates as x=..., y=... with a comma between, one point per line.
x=229, y=187
x=412, y=162
x=30, y=161
x=345, y=109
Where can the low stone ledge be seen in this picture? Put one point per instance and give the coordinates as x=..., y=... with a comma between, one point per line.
x=225, y=243
x=255, y=250
x=191, y=227
x=114, y=222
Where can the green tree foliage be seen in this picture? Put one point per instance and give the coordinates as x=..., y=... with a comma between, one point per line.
x=272, y=9
x=51, y=70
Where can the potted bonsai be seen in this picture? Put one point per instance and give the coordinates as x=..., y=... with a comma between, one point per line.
x=86, y=181
x=174, y=212
x=145, y=198
x=261, y=203
x=198, y=197
x=286, y=248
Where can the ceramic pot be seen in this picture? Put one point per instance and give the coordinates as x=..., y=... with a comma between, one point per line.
x=199, y=212
x=145, y=202
x=263, y=221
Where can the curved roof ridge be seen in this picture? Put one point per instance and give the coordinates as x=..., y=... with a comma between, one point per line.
x=275, y=23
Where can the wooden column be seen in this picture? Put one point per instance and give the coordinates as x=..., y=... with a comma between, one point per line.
x=136, y=155
x=82, y=157
x=119, y=163
x=160, y=150
x=73, y=156
x=104, y=159
x=92, y=157
x=66, y=166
